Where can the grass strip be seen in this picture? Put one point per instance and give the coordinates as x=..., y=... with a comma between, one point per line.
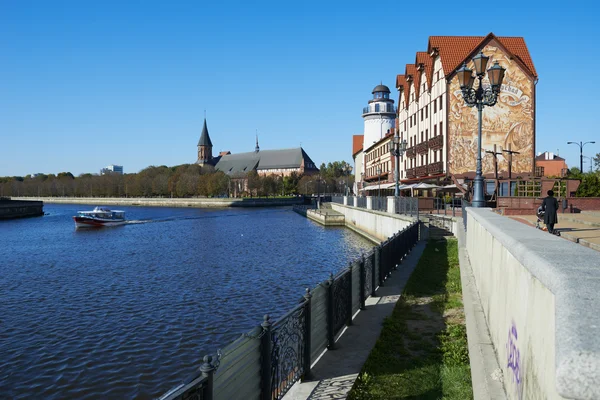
x=422, y=351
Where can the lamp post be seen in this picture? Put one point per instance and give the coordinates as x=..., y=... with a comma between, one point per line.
x=378, y=181
x=580, y=144
x=398, y=151
x=480, y=97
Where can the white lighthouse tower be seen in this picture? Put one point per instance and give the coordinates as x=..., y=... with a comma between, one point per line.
x=379, y=116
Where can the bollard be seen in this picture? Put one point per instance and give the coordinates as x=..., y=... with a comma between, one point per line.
x=266, y=393
x=208, y=370
x=307, y=336
x=330, y=299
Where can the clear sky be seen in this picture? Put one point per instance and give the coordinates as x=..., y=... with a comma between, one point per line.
x=86, y=84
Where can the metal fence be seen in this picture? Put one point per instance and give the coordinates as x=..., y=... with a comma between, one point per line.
x=407, y=206
x=361, y=202
x=265, y=362
x=337, y=199
x=379, y=203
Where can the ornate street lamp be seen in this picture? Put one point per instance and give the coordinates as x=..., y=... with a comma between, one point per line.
x=480, y=97
x=398, y=151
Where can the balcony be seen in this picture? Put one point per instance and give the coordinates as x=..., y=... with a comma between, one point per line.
x=435, y=168
x=421, y=171
x=379, y=108
x=436, y=142
x=411, y=152
x=410, y=173
x=422, y=148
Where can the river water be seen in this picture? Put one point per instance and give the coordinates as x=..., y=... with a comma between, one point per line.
x=129, y=311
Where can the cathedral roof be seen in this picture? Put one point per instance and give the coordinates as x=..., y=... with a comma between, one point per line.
x=204, y=138
x=263, y=159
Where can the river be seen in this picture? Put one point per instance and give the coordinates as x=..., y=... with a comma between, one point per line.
x=127, y=312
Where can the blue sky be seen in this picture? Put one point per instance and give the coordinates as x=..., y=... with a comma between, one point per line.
x=88, y=84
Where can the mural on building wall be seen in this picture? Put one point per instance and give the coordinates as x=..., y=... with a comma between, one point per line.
x=508, y=123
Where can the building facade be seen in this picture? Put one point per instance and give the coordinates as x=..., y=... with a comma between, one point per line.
x=550, y=164
x=441, y=130
x=112, y=169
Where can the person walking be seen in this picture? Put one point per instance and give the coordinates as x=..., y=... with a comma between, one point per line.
x=550, y=206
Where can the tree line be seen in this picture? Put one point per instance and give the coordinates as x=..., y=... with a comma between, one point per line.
x=187, y=180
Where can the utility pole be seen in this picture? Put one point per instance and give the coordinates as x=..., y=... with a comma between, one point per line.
x=510, y=153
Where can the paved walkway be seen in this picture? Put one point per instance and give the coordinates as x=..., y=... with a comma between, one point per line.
x=335, y=372
x=581, y=228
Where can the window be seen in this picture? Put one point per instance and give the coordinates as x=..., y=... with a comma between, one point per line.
x=434, y=156
x=421, y=136
x=411, y=122
x=437, y=76
x=376, y=107
x=434, y=107
x=435, y=130
x=426, y=113
x=503, y=189
x=404, y=124
x=441, y=102
x=421, y=114
x=441, y=128
x=423, y=87
x=426, y=134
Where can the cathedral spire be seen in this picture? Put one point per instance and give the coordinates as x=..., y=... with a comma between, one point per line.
x=256, y=149
x=204, y=147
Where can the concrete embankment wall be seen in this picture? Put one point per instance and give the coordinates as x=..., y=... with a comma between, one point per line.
x=168, y=202
x=380, y=225
x=541, y=299
x=20, y=209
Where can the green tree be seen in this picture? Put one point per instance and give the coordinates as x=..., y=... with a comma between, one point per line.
x=596, y=161
x=590, y=186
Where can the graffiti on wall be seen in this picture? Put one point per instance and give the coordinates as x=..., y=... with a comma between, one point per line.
x=508, y=125
x=514, y=359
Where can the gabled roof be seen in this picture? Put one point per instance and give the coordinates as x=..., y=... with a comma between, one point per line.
x=454, y=50
x=424, y=59
x=204, y=138
x=264, y=159
x=238, y=163
x=357, y=143
x=402, y=86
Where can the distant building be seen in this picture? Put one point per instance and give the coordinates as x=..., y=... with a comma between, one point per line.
x=112, y=169
x=282, y=162
x=550, y=164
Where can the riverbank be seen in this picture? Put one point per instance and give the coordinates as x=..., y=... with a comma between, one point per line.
x=10, y=208
x=170, y=202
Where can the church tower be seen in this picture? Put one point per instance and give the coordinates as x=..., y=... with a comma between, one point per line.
x=204, y=147
x=379, y=116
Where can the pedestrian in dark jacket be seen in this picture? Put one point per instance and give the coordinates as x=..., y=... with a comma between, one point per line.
x=550, y=206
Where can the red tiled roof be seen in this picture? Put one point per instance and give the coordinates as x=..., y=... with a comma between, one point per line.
x=412, y=71
x=401, y=83
x=425, y=59
x=357, y=143
x=453, y=50
x=224, y=153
